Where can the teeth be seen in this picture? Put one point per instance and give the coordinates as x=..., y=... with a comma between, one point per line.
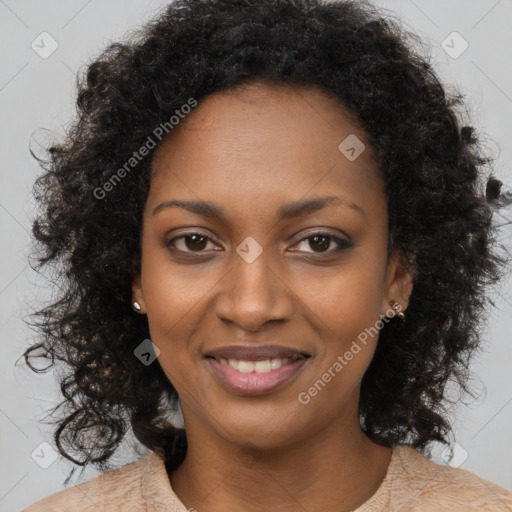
x=275, y=363
x=264, y=366
x=245, y=366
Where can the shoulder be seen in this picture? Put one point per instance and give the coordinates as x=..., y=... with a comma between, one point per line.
x=417, y=483
x=119, y=489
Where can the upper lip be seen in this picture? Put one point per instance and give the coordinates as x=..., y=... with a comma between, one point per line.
x=255, y=353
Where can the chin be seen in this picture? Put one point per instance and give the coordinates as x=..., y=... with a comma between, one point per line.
x=261, y=428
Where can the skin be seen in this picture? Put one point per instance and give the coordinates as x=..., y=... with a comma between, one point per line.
x=251, y=151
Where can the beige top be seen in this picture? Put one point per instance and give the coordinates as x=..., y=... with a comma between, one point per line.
x=412, y=483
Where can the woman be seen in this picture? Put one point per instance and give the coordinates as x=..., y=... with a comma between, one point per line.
x=269, y=216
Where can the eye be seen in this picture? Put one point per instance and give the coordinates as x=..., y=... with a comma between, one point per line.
x=191, y=242
x=320, y=243
x=197, y=242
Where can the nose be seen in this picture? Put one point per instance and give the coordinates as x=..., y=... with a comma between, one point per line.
x=252, y=294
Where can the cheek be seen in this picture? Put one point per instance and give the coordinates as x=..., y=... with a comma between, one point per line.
x=173, y=298
x=347, y=299
x=346, y=313
x=173, y=293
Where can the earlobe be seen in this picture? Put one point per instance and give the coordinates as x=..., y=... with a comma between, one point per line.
x=400, y=285
x=137, y=296
x=404, y=282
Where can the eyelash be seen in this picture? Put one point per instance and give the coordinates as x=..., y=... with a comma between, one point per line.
x=342, y=244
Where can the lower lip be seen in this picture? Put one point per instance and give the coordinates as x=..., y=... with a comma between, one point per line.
x=254, y=383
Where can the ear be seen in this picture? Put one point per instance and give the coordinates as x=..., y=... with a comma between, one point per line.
x=137, y=294
x=399, y=281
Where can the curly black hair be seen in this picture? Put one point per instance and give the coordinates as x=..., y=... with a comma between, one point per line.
x=441, y=194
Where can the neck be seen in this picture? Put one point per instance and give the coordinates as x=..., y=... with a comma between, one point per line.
x=327, y=471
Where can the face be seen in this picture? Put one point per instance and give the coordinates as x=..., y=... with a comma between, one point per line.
x=267, y=273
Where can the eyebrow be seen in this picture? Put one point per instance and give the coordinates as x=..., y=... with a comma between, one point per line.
x=288, y=211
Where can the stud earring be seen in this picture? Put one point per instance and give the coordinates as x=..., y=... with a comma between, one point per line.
x=397, y=308
x=136, y=306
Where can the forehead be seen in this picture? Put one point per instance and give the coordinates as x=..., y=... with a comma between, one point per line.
x=259, y=111
x=263, y=141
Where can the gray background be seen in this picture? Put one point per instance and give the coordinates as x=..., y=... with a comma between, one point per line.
x=37, y=92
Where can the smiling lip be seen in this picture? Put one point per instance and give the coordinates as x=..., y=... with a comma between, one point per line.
x=254, y=383
x=245, y=353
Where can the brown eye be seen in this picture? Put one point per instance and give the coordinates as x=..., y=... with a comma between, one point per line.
x=321, y=242
x=194, y=242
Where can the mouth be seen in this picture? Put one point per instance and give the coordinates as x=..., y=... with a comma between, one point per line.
x=255, y=370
